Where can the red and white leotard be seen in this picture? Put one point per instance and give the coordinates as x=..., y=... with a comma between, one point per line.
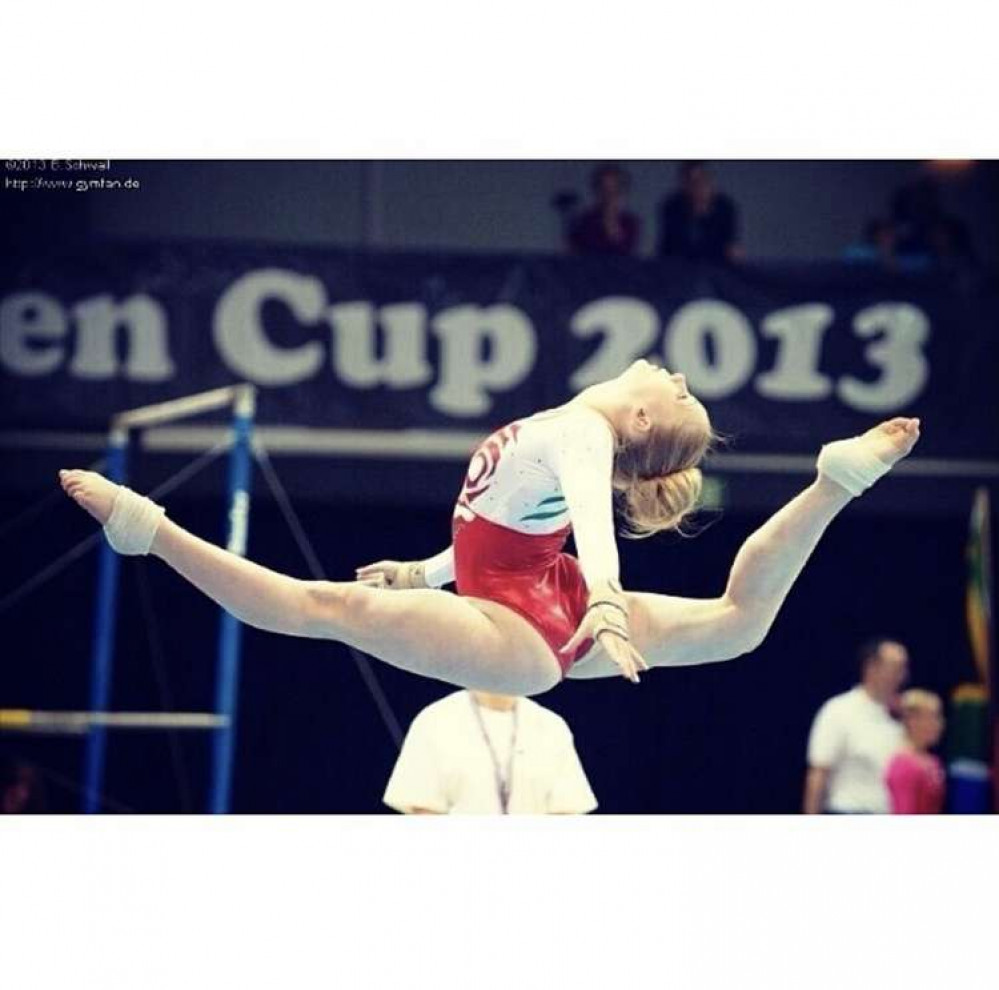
x=528, y=486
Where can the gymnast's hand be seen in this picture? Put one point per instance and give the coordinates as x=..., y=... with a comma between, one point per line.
x=606, y=622
x=393, y=575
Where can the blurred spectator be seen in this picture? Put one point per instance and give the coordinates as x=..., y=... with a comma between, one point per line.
x=925, y=231
x=606, y=227
x=877, y=247
x=696, y=222
x=915, y=777
x=854, y=736
x=478, y=753
x=21, y=788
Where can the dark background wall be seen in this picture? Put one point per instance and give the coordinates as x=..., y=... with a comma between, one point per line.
x=789, y=210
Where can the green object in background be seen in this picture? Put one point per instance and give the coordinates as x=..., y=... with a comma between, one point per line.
x=968, y=724
x=712, y=492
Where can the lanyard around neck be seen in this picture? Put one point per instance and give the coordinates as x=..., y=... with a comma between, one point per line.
x=504, y=782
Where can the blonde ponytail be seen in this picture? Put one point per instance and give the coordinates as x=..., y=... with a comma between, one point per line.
x=654, y=505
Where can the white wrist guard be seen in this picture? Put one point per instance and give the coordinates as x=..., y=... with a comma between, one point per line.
x=133, y=522
x=851, y=465
x=608, y=601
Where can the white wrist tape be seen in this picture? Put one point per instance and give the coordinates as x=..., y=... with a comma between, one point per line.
x=133, y=522
x=410, y=576
x=851, y=464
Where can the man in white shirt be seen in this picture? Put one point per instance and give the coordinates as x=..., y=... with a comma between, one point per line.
x=854, y=736
x=478, y=753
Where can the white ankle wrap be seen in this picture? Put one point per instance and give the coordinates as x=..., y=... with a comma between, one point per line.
x=851, y=464
x=133, y=522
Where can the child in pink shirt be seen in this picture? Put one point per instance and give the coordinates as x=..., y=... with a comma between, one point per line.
x=915, y=777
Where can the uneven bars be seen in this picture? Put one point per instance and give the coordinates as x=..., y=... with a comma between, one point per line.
x=105, y=621
x=240, y=397
x=230, y=628
x=189, y=405
x=77, y=723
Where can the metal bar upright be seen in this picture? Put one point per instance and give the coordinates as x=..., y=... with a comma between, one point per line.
x=102, y=659
x=230, y=629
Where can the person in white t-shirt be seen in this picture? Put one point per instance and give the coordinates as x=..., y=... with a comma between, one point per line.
x=478, y=753
x=854, y=736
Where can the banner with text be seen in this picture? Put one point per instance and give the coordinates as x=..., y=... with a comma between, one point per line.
x=783, y=357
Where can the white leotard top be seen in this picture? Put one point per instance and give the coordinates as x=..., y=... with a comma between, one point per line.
x=540, y=475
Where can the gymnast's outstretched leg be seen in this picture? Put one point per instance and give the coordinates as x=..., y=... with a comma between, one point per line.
x=670, y=631
x=463, y=641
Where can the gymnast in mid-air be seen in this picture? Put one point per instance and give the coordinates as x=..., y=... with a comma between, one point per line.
x=526, y=614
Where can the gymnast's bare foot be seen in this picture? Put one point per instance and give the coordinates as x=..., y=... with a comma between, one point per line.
x=892, y=440
x=858, y=462
x=90, y=491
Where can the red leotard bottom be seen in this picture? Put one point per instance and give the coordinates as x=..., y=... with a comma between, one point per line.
x=527, y=573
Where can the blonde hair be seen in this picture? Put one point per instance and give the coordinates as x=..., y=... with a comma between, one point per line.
x=916, y=700
x=658, y=481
